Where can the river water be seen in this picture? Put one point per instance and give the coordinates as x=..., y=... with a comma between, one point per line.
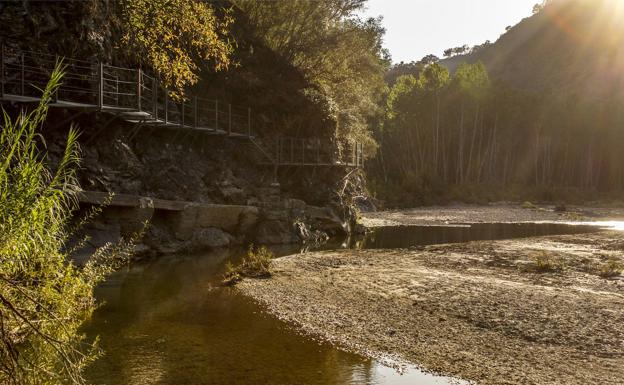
x=169, y=321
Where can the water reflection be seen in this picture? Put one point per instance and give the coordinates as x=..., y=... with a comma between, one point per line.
x=408, y=236
x=169, y=322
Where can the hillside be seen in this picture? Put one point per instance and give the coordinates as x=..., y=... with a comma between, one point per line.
x=572, y=46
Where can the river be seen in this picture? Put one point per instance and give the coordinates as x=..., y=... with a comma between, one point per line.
x=169, y=321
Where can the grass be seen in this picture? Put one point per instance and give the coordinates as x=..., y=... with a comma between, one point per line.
x=612, y=268
x=255, y=264
x=544, y=262
x=44, y=296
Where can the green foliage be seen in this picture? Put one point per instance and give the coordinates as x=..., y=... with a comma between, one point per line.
x=454, y=134
x=256, y=264
x=44, y=297
x=176, y=37
x=339, y=54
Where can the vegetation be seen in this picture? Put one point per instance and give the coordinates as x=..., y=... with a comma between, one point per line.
x=43, y=296
x=544, y=262
x=613, y=267
x=337, y=52
x=255, y=264
x=444, y=133
x=176, y=37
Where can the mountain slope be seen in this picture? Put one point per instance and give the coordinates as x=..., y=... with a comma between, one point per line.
x=571, y=46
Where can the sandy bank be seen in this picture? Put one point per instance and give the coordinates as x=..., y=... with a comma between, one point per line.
x=478, y=311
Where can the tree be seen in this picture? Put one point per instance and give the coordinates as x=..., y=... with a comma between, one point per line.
x=537, y=8
x=429, y=59
x=456, y=51
x=340, y=55
x=175, y=38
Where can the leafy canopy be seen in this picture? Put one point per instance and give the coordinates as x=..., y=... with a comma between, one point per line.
x=175, y=37
x=338, y=53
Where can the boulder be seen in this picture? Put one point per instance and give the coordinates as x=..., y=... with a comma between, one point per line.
x=210, y=238
x=324, y=219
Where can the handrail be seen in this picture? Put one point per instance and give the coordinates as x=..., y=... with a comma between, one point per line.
x=139, y=97
x=108, y=87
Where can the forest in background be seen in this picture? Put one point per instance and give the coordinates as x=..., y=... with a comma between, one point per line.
x=465, y=128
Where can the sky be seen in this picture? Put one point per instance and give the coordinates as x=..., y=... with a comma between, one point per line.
x=416, y=28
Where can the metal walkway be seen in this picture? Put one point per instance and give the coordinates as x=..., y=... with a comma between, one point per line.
x=136, y=97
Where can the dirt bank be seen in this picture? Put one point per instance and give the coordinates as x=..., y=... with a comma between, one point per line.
x=479, y=311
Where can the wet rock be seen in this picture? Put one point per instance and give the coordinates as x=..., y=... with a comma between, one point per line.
x=272, y=232
x=309, y=236
x=365, y=204
x=326, y=220
x=211, y=238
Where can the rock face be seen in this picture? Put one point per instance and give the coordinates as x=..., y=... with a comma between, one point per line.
x=274, y=232
x=177, y=226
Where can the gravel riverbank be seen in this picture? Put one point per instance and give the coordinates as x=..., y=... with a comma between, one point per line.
x=524, y=311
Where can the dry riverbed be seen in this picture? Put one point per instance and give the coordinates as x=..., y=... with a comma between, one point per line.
x=524, y=311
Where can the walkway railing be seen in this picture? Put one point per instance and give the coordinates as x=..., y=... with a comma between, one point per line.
x=131, y=93
x=136, y=96
x=315, y=152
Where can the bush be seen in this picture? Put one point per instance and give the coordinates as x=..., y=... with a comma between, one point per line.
x=543, y=262
x=44, y=297
x=612, y=268
x=256, y=264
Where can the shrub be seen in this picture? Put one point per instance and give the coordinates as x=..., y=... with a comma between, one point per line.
x=44, y=297
x=255, y=264
x=544, y=262
x=612, y=268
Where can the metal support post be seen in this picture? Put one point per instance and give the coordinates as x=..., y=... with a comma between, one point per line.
x=100, y=95
x=195, y=111
x=229, y=119
x=216, y=115
x=1, y=70
x=182, y=120
x=22, y=76
x=166, y=106
x=154, y=99
x=249, y=122
x=138, y=91
x=318, y=151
